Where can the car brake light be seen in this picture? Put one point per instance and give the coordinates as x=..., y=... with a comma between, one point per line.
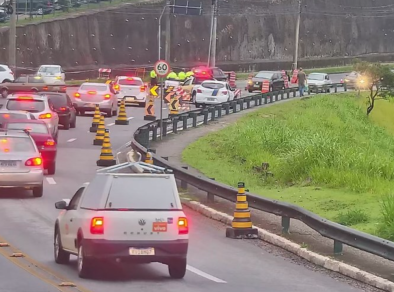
x=117, y=87
x=45, y=116
x=6, y=116
x=63, y=108
x=142, y=88
x=224, y=92
x=25, y=97
x=49, y=142
x=37, y=161
x=64, y=88
x=45, y=88
x=77, y=95
x=12, y=73
x=183, y=227
x=92, y=92
x=130, y=78
x=107, y=96
x=199, y=91
x=97, y=225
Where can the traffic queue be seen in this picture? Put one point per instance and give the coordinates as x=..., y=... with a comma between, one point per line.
x=35, y=107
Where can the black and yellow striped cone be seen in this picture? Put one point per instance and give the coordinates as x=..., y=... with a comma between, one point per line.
x=98, y=140
x=96, y=119
x=241, y=226
x=148, y=157
x=122, y=117
x=106, y=156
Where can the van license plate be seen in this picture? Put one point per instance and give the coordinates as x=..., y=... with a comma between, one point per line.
x=141, y=251
x=132, y=98
x=56, y=88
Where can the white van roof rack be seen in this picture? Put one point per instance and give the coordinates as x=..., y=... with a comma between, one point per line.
x=146, y=167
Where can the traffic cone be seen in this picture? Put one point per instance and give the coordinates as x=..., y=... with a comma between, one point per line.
x=148, y=157
x=96, y=119
x=106, y=156
x=241, y=226
x=98, y=140
x=122, y=117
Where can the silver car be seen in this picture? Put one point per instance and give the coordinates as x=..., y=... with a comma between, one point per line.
x=39, y=106
x=6, y=115
x=21, y=164
x=319, y=81
x=90, y=94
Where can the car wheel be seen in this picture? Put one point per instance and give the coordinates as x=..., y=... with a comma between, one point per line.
x=81, y=113
x=115, y=112
x=61, y=257
x=66, y=125
x=194, y=97
x=143, y=104
x=109, y=113
x=38, y=191
x=73, y=124
x=6, y=81
x=4, y=93
x=328, y=90
x=52, y=168
x=177, y=268
x=85, y=266
x=197, y=105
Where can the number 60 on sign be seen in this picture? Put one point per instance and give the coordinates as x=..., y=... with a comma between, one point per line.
x=162, y=68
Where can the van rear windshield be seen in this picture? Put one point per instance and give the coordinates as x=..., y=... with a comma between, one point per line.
x=153, y=193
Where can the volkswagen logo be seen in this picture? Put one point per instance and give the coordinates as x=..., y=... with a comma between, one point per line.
x=142, y=222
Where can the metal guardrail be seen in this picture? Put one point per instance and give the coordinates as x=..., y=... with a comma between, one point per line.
x=340, y=234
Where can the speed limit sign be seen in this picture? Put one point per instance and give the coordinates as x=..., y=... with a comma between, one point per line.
x=162, y=68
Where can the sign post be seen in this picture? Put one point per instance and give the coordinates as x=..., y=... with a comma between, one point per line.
x=162, y=68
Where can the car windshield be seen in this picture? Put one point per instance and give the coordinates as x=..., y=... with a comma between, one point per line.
x=315, y=76
x=29, y=105
x=212, y=85
x=34, y=128
x=58, y=100
x=94, y=87
x=153, y=193
x=8, y=116
x=16, y=144
x=49, y=70
x=264, y=75
x=130, y=82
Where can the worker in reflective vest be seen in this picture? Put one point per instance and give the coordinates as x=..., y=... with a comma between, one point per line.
x=182, y=75
x=189, y=73
x=172, y=76
x=153, y=78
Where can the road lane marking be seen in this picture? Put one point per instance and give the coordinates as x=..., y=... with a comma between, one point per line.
x=51, y=181
x=110, y=125
x=71, y=140
x=130, y=118
x=204, y=275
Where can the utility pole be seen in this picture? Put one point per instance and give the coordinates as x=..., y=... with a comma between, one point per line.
x=12, y=38
x=214, y=32
x=297, y=36
x=168, y=33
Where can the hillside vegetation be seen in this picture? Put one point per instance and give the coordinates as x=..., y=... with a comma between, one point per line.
x=325, y=154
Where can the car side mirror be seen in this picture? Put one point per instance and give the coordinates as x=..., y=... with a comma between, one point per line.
x=62, y=205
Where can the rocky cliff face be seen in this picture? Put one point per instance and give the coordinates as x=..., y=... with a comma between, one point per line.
x=247, y=30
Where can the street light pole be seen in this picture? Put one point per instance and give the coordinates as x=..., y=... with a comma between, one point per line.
x=211, y=32
x=12, y=38
x=159, y=37
x=297, y=37
x=214, y=32
x=168, y=33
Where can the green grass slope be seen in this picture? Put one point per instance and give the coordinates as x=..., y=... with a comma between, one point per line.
x=325, y=153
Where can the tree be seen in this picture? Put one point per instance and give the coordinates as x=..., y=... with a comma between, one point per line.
x=379, y=80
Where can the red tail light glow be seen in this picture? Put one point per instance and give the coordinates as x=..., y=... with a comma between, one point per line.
x=130, y=78
x=25, y=97
x=49, y=142
x=142, y=88
x=12, y=73
x=64, y=88
x=183, y=226
x=6, y=116
x=199, y=91
x=117, y=87
x=92, y=92
x=77, y=95
x=63, y=108
x=97, y=225
x=45, y=116
x=45, y=88
x=36, y=161
x=107, y=96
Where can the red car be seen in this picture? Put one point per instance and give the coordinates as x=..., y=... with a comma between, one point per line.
x=41, y=134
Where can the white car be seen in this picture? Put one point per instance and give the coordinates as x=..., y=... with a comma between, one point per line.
x=132, y=89
x=38, y=105
x=6, y=74
x=319, y=80
x=173, y=83
x=52, y=74
x=123, y=217
x=213, y=92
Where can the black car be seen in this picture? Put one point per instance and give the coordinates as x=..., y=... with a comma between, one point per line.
x=64, y=108
x=3, y=16
x=275, y=78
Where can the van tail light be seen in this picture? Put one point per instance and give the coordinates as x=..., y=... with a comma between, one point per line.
x=45, y=88
x=107, y=96
x=92, y=92
x=49, y=142
x=63, y=109
x=45, y=116
x=183, y=226
x=77, y=95
x=142, y=88
x=199, y=91
x=36, y=161
x=97, y=225
x=225, y=92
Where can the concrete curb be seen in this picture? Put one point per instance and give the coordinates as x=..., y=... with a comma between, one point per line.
x=319, y=260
